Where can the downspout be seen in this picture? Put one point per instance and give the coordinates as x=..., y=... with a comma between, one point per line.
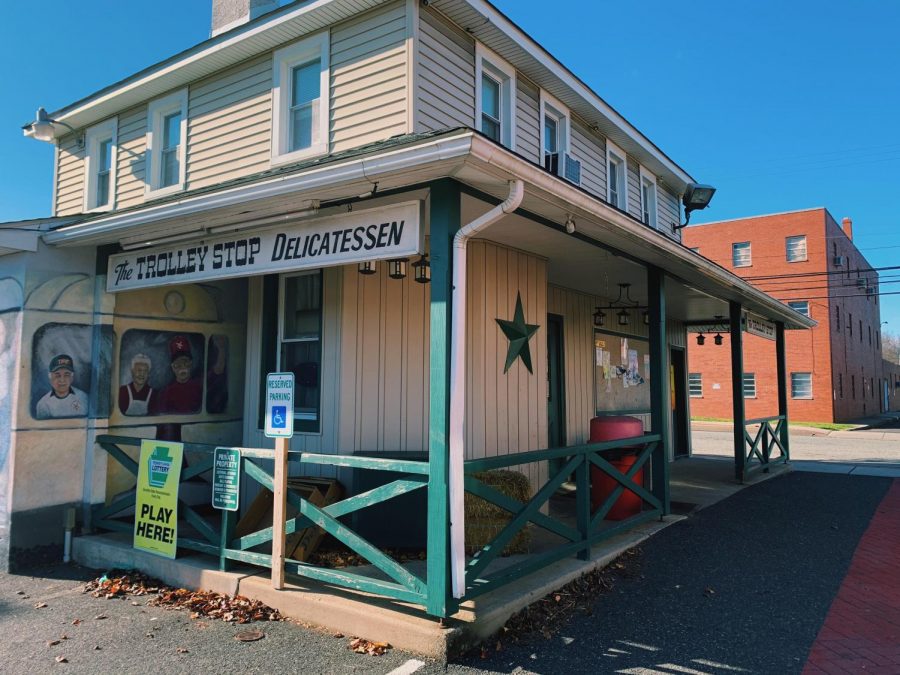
x=458, y=380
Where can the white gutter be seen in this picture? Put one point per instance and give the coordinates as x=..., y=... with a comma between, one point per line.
x=458, y=380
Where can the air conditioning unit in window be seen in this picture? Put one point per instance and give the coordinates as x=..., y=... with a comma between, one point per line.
x=839, y=261
x=573, y=170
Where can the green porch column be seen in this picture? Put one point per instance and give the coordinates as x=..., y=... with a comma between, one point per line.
x=445, y=222
x=781, y=360
x=737, y=387
x=659, y=384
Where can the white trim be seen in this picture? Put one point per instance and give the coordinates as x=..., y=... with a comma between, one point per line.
x=649, y=177
x=156, y=112
x=412, y=64
x=284, y=61
x=564, y=119
x=92, y=139
x=614, y=150
x=500, y=70
x=55, y=179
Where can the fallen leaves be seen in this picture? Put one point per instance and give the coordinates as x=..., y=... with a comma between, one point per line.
x=61, y=659
x=363, y=646
x=40, y=605
x=120, y=584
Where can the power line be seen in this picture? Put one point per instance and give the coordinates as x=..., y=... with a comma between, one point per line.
x=797, y=275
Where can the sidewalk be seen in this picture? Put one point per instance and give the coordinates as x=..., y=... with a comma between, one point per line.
x=863, y=427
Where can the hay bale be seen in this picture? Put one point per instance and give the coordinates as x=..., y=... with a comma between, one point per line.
x=484, y=520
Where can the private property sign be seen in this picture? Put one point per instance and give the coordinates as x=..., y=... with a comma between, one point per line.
x=387, y=232
x=226, y=483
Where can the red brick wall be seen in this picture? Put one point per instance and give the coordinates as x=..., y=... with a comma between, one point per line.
x=822, y=351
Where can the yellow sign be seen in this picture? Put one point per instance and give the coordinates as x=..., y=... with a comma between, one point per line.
x=156, y=507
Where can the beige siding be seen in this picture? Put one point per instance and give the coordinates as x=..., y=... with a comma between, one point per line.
x=131, y=158
x=634, y=188
x=591, y=150
x=369, y=78
x=445, y=89
x=230, y=124
x=528, y=113
x=505, y=413
x=69, y=177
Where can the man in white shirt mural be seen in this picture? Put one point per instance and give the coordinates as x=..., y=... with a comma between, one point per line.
x=135, y=397
x=63, y=400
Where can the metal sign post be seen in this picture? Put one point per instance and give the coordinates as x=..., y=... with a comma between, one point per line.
x=280, y=426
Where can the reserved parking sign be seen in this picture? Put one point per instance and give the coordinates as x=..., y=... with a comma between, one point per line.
x=280, y=405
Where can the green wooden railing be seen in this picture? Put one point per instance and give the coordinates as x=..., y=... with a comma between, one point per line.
x=214, y=533
x=766, y=446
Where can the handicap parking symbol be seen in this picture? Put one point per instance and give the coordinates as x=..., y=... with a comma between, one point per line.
x=279, y=417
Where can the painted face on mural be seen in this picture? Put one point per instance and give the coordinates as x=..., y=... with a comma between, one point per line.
x=61, y=382
x=182, y=368
x=140, y=373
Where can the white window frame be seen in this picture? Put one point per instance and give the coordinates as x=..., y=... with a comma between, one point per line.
x=734, y=261
x=284, y=61
x=649, y=180
x=615, y=153
x=791, y=303
x=157, y=111
x=93, y=137
x=804, y=397
x=787, y=248
x=699, y=382
x=749, y=378
x=487, y=62
x=553, y=108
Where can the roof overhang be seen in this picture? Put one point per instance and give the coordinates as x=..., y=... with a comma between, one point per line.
x=464, y=155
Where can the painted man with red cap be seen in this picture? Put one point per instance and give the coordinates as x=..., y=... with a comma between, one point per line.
x=184, y=395
x=63, y=400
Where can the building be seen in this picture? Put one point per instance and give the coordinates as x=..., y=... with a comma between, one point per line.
x=460, y=251
x=809, y=262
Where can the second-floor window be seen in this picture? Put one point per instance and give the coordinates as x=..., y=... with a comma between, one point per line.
x=166, y=143
x=648, y=198
x=741, y=255
x=554, y=134
x=495, y=97
x=100, y=161
x=616, y=179
x=801, y=306
x=300, y=100
x=795, y=248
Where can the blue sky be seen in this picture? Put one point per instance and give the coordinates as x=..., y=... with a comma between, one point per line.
x=780, y=105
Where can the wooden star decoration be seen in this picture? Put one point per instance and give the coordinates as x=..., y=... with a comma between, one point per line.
x=518, y=333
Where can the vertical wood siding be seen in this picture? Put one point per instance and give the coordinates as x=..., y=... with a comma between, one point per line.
x=634, y=188
x=591, y=150
x=69, y=177
x=230, y=124
x=505, y=413
x=528, y=113
x=131, y=159
x=445, y=88
x=369, y=78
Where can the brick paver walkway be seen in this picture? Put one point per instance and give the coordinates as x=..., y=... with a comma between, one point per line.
x=861, y=633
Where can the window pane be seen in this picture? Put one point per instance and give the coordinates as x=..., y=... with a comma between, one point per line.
x=490, y=97
x=801, y=385
x=102, y=188
x=302, y=307
x=695, y=384
x=170, y=168
x=490, y=127
x=105, y=155
x=172, y=131
x=740, y=254
x=801, y=306
x=306, y=83
x=551, y=135
x=303, y=359
x=613, y=183
x=301, y=127
x=749, y=385
x=796, y=248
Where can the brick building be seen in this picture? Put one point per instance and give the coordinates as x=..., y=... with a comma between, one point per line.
x=808, y=261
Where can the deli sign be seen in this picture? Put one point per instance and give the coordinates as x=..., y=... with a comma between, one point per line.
x=386, y=232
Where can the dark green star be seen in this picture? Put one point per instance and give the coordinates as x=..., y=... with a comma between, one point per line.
x=518, y=333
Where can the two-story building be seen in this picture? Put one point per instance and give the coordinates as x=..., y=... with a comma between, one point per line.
x=808, y=261
x=461, y=252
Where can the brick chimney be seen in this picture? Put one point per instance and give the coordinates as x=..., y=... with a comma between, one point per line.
x=847, y=226
x=228, y=14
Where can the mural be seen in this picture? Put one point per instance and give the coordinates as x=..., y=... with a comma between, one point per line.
x=61, y=369
x=160, y=373
x=217, y=374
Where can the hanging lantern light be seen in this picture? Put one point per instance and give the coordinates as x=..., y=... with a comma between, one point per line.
x=599, y=318
x=367, y=267
x=646, y=317
x=718, y=340
x=624, y=317
x=701, y=339
x=422, y=270
x=397, y=268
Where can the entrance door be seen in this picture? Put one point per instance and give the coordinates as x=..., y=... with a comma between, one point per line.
x=556, y=385
x=678, y=386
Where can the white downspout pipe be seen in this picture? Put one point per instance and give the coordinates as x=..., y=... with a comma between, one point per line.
x=458, y=380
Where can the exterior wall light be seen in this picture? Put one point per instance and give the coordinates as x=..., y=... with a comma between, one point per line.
x=701, y=339
x=570, y=225
x=718, y=340
x=599, y=318
x=422, y=270
x=397, y=268
x=367, y=267
x=696, y=198
x=44, y=128
x=646, y=317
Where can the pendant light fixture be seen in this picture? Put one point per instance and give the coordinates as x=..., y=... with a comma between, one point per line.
x=599, y=318
x=367, y=267
x=622, y=306
x=422, y=270
x=701, y=339
x=397, y=268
